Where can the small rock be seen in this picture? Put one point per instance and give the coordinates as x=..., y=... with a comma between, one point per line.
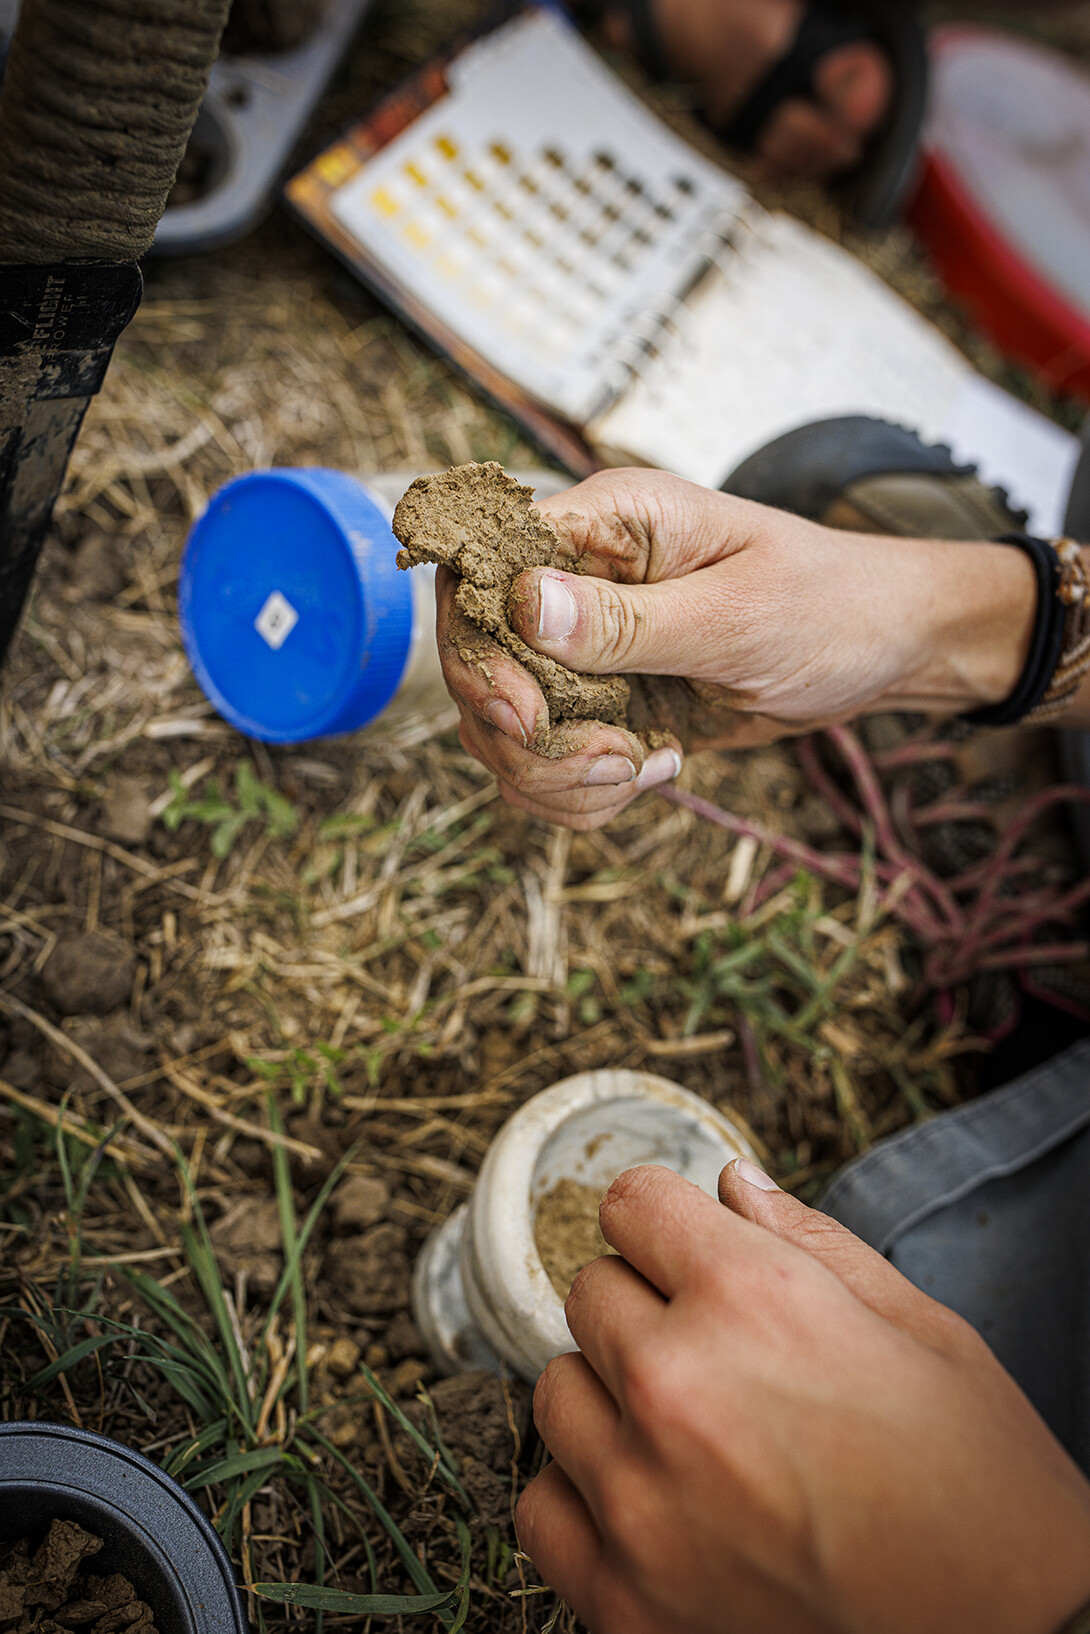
x=126, y=810
x=346, y=1423
x=89, y=973
x=252, y=1226
x=358, y=1202
x=343, y=1358
x=407, y=1376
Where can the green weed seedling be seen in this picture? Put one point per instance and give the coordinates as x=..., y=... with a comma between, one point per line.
x=254, y=802
x=305, y=1072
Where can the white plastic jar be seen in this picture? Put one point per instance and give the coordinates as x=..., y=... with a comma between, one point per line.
x=482, y=1296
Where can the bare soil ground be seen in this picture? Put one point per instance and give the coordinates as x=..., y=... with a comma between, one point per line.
x=222, y=965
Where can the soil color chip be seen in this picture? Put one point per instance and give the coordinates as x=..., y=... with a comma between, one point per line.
x=484, y=525
x=567, y=1232
x=48, y=1591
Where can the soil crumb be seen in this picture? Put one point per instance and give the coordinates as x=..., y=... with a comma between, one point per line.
x=567, y=1232
x=484, y=525
x=47, y=1591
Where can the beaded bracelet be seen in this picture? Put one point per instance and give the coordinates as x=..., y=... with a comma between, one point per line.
x=1079, y=1624
x=1059, y=650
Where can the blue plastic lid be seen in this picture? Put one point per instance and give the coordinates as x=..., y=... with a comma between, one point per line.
x=295, y=617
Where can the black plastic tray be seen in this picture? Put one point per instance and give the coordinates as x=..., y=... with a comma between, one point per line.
x=152, y=1531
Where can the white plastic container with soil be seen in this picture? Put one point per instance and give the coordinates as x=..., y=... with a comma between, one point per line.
x=490, y=1282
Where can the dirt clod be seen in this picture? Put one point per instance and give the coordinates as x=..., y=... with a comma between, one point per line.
x=248, y=1239
x=90, y=973
x=46, y=1590
x=475, y=1419
x=567, y=1232
x=359, y=1201
x=373, y=1270
x=484, y=525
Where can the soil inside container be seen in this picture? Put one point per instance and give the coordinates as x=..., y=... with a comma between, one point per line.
x=567, y=1232
x=49, y=1590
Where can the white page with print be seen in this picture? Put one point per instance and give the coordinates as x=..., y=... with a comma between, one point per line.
x=789, y=329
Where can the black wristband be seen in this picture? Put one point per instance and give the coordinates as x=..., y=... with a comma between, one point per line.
x=1046, y=643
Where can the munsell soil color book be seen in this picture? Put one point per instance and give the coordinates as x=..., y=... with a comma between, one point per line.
x=623, y=296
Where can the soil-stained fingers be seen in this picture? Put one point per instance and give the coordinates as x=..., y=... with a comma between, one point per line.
x=607, y=769
x=604, y=759
x=479, y=673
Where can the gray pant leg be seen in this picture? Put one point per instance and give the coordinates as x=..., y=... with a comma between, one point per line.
x=987, y=1208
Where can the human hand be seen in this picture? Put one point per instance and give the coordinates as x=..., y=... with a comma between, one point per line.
x=770, y=1431
x=736, y=624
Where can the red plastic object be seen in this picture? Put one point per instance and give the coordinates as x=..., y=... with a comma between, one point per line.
x=1004, y=195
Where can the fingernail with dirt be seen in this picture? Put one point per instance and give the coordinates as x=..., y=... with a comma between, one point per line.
x=661, y=767
x=556, y=609
x=504, y=717
x=610, y=769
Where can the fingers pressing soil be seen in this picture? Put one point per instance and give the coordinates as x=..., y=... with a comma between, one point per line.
x=484, y=525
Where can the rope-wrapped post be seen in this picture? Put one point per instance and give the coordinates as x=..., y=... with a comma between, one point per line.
x=99, y=98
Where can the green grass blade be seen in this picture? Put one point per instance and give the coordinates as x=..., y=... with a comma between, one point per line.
x=462, y=1589
x=194, y=1353
x=201, y=1256
x=293, y=1252
x=231, y=1513
x=316, y=1598
x=841, y=966
x=430, y=1454
x=317, y=1519
x=794, y=961
x=236, y=1463
x=71, y=1358
x=62, y=1156
x=181, y=1377
x=195, y=1343
x=212, y=1435
x=419, y=1575
x=90, y=1166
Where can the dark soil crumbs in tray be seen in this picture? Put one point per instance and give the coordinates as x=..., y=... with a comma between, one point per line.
x=50, y=1590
